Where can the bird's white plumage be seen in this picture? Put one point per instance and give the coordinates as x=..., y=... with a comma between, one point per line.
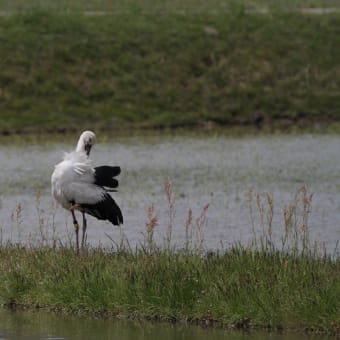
x=73, y=181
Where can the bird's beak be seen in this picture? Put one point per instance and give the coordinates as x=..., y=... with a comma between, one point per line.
x=88, y=147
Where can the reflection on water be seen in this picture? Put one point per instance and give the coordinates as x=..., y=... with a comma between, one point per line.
x=39, y=325
x=218, y=171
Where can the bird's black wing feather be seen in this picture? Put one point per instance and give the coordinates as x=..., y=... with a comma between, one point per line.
x=103, y=176
x=106, y=209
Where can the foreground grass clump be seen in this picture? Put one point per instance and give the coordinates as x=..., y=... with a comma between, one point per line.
x=176, y=65
x=241, y=288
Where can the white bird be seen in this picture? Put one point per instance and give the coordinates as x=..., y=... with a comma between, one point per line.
x=76, y=185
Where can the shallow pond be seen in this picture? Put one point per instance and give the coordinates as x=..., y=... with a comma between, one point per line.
x=49, y=326
x=216, y=170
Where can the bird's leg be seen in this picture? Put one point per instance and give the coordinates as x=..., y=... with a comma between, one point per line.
x=84, y=230
x=76, y=229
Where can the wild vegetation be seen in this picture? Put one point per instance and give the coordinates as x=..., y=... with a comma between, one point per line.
x=292, y=284
x=131, y=64
x=113, y=65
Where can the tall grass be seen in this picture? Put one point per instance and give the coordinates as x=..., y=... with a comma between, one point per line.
x=261, y=284
x=239, y=288
x=295, y=238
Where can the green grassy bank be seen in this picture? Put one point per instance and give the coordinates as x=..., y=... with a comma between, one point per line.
x=239, y=288
x=146, y=65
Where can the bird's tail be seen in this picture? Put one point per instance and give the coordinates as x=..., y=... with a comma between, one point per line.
x=106, y=209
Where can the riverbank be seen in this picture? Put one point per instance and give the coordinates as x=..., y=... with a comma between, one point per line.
x=240, y=288
x=145, y=68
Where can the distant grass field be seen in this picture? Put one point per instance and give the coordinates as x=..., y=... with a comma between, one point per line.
x=178, y=63
x=169, y=5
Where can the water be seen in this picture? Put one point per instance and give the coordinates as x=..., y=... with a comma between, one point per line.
x=214, y=170
x=49, y=326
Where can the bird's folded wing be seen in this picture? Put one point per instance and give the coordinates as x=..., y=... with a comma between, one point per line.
x=83, y=193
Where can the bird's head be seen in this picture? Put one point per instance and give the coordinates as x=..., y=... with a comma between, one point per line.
x=86, y=141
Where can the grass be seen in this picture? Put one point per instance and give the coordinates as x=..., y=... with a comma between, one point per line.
x=287, y=285
x=240, y=288
x=168, y=5
x=176, y=64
